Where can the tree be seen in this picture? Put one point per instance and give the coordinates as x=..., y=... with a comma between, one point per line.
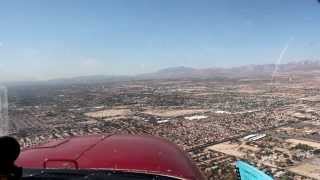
x=304, y=147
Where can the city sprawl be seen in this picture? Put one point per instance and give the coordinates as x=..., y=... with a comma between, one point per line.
x=273, y=124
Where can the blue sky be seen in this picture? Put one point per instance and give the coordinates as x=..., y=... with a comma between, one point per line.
x=63, y=38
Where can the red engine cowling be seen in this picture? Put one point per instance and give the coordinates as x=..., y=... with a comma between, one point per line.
x=142, y=154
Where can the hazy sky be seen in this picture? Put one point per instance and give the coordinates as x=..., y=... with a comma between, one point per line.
x=62, y=38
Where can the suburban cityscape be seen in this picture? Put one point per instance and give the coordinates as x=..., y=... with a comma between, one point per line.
x=167, y=89
x=272, y=123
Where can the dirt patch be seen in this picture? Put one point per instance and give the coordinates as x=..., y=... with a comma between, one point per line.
x=310, y=169
x=174, y=112
x=232, y=149
x=108, y=113
x=207, y=94
x=114, y=118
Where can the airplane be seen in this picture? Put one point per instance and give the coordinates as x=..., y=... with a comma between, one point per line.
x=116, y=157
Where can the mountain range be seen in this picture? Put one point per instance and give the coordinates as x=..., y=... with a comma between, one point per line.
x=182, y=72
x=264, y=70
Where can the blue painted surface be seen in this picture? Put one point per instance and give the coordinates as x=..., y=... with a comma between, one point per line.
x=248, y=172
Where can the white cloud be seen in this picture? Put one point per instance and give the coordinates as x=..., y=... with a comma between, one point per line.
x=1, y=44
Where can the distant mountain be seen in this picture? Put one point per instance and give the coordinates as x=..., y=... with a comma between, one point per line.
x=306, y=65
x=207, y=73
x=182, y=72
x=252, y=71
x=168, y=73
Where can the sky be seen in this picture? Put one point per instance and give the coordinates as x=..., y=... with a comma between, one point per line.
x=45, y=39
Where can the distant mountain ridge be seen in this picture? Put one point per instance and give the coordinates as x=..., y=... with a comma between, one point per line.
x=182, y=72
x=263, y=70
